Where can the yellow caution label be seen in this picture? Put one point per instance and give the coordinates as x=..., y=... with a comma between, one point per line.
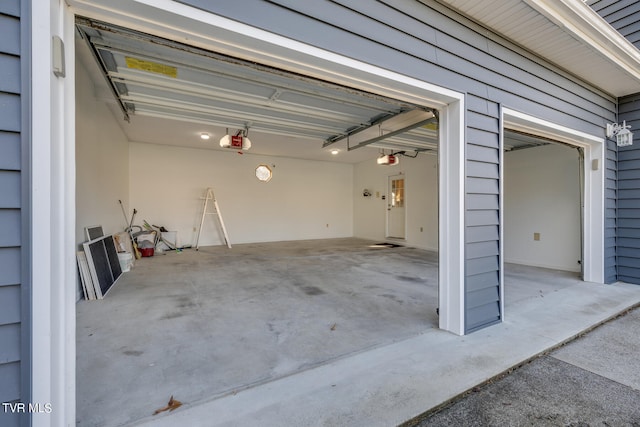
x=431, y=126
x=151, y=67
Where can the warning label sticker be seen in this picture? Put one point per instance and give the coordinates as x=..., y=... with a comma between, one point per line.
x=152, y=67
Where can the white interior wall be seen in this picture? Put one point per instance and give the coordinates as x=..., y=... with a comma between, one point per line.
x=421, y=188
x=541, y=195
x=102, y=162
x=304, y=199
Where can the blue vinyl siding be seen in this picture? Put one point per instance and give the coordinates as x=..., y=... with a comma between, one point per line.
x=622, y=229
x=611, y=214
x=430, y=42
x=628, y=209
x=482, y=216
x=14, y=369
x=623, y=15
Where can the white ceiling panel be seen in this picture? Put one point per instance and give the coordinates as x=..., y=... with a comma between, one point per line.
x=157, y=81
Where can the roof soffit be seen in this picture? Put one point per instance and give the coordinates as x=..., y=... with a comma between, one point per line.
x=573, y=36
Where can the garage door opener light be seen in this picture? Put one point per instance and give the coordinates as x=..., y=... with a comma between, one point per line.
x=388, y=159
x=237, y=141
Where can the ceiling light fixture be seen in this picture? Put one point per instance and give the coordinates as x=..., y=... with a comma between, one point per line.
x=623, y=135
x=205, y=136
x=237, y=141
x=335, y=152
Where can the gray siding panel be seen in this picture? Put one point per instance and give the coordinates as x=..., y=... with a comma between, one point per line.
x=482, y=154
x=482, y=186
x=628, y=191
x=484, y=315
x=10, y=228
x=482, y=219
x=9, y=384
x=611, y=213
x=482, y=249
x=483, y=170
x=10, y=189
x=483, y=233
x=14, y=336
x=10, y=297
x=10, y=106
x=10, y=149
x=10, y=7
x=483, y=201
x=10, y=337
x=629, y=154
x=9, y=74
x=482, y=265
x=10, y=40
x=482, y=281
x=623, y=15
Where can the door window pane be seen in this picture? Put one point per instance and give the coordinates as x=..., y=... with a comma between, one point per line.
x=397, y=193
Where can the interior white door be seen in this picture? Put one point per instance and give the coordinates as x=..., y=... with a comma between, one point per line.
x=396, y=207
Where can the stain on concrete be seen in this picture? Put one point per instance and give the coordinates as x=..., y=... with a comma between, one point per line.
x=392, y=297
x=133, y=353
x=185, y=302
x=312, y=290
x=171, y=316
x=411, y=279
x=308, y=289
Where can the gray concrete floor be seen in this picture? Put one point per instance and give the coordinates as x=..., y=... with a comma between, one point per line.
x=225, y=330
x=201, y=324
x=592, y=381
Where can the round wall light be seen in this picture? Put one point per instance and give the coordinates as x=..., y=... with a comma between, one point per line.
x=263, y=173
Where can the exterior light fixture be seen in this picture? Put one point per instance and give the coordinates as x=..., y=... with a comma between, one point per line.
x=205, y=136
x=623, y=135
x=237, y=141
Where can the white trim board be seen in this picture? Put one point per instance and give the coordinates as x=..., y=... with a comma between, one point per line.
x=594, y=183
x=53, y=192
x=176, y=21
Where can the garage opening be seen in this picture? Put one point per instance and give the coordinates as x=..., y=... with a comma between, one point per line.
x=543, y=215
x=313, y=273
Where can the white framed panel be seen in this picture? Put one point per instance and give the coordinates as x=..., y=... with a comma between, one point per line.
x=176, y=21
x=53, y=192
x=594, y=183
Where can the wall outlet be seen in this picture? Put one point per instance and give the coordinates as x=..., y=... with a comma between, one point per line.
x=536, y=236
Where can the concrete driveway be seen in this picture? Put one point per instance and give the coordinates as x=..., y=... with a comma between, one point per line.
x=592, y=381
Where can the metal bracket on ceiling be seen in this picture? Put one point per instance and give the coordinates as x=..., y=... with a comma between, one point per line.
x=105, y=72
x=379, y=121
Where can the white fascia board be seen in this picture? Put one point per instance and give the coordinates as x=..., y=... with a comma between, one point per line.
x=584, y=23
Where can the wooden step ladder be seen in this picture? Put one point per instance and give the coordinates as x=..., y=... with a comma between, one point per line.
x=208, y=195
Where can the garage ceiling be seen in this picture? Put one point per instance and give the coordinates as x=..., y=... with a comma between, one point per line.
x=169, y=93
